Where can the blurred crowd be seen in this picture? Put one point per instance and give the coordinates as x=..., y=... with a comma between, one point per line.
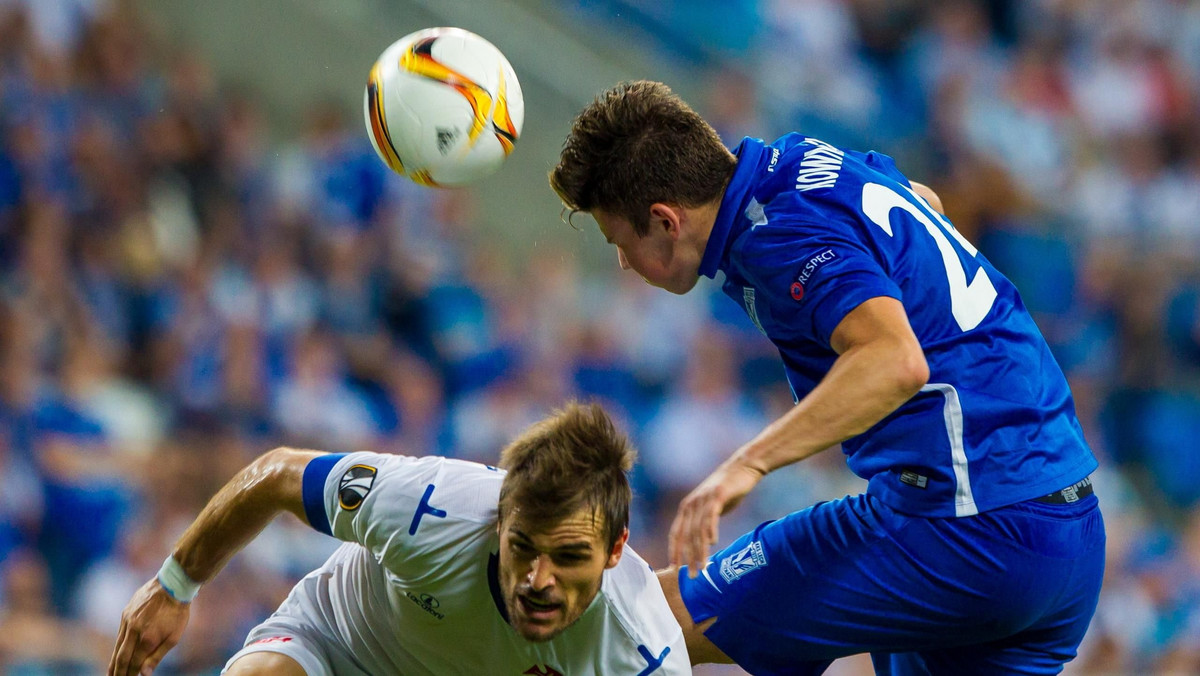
x=178, y=293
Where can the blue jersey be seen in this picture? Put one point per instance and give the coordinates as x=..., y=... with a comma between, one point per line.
x=806, y=232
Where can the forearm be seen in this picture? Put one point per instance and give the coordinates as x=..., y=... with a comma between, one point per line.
x=241, y=509
x=866, y=383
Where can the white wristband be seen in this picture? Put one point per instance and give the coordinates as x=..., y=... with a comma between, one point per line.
x=176, y=582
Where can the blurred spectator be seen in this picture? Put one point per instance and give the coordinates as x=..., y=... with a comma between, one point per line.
x=32, y=639
x=699, y=424
x=315, y=407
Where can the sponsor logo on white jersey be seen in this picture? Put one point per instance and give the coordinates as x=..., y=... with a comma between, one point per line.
x=355, y=485
x=427, y=602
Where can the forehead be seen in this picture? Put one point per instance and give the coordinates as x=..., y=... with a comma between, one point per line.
x=584, y=525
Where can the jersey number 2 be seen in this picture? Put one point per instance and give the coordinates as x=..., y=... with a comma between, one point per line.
x=969, y=302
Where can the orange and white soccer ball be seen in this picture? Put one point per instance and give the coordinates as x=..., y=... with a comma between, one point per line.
x=443, y=107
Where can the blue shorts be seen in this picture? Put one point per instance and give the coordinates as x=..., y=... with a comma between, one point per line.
x=1009, y=591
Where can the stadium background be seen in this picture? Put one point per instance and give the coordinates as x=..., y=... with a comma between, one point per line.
x=201, y=259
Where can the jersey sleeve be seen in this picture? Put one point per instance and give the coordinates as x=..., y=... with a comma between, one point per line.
x=656, y=642
x=814, y=275
x=406, y=510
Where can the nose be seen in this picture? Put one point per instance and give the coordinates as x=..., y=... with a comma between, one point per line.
x=541, y=573
x=624, y=262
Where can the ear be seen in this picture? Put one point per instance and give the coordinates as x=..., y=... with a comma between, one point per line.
x=614, y=557
x=667, y=218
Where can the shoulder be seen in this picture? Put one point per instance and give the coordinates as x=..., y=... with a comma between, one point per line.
x=784, y=240
x=635, y=599
x=465, y=491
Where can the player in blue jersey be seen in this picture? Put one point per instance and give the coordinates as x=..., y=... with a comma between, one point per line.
x=978, y=546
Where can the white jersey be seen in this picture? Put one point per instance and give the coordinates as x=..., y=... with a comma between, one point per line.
x=417, y=592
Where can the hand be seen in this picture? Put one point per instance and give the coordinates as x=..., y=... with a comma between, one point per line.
x=152, y=624
x=695, y=526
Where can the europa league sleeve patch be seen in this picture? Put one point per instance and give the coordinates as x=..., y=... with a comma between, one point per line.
x=354, y=486
x=810, y=266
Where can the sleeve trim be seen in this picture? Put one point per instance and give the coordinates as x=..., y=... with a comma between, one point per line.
x=315, y=473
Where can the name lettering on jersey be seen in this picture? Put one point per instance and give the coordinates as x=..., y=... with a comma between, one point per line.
x=354, y=486
x=425, y=508
x=736, y=565
x=751, y=309
x=652, y=662
x=427, y=602
x=820, y=167
x=807, y=271
x=537, y=670
x=774, y=160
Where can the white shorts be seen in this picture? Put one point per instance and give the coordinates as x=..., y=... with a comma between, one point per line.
x=298, y=629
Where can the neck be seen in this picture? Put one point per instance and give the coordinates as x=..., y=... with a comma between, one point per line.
x=704, y=217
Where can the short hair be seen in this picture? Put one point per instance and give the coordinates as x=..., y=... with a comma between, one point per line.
x=572, y=460
x=636, y=145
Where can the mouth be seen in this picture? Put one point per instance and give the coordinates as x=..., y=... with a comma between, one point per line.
x=538, y=611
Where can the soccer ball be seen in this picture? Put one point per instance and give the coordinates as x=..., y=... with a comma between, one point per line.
x=443, y=107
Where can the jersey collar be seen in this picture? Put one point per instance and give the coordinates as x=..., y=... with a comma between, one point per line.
x=749, y=154
x=493, y=575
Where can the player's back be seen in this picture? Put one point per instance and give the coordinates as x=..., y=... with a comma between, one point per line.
x=823, y=230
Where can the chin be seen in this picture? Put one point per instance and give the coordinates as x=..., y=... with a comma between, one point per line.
x=539, y=634
x=680, y=288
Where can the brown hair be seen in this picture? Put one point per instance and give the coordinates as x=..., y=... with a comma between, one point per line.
x=571, y=460
x=636, y=145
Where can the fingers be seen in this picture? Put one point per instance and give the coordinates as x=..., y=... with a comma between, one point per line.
x=123, y=664
x=155, y=657
x=143, y=648
x=676, y=535
x=694, y=531
x=137, y=653
x=679, y=545
x=702, y=536
x=114, y=662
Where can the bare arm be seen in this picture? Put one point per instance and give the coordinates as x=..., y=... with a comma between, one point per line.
x=153, y=622
x=880, y=366
x=929, y=195
x=241, y=509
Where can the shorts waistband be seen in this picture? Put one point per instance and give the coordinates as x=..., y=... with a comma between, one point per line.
x=1073, y=493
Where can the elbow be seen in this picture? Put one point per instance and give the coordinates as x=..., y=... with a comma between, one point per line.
x=277, y=477
x=275, y=471
x=904, y=368
x=911, y=372
x=272, y=461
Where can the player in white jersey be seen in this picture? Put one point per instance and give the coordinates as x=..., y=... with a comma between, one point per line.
x=450, y=567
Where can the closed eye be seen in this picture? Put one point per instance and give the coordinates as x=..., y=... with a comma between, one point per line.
x=570, y=559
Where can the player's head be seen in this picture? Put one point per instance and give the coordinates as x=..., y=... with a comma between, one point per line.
x=641, y=162
x=564, y=516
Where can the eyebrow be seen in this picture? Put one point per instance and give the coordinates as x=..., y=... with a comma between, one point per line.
x=582, y=546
